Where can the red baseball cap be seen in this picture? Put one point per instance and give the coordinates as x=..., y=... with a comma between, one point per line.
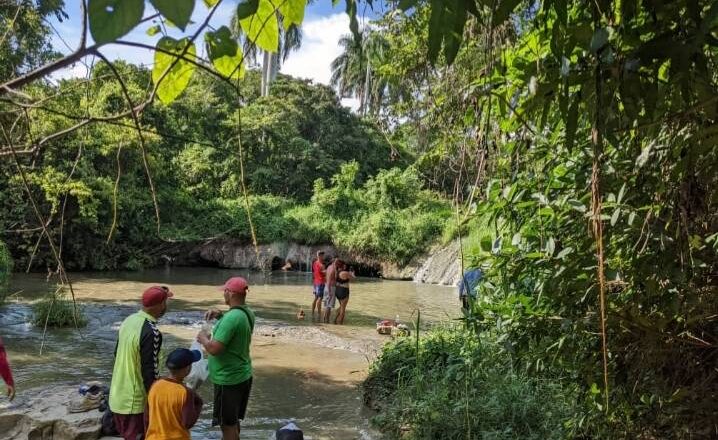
x=235, y=285
x=155, y=295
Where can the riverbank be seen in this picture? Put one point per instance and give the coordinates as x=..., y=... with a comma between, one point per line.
x=438, y=265
x=304, y=371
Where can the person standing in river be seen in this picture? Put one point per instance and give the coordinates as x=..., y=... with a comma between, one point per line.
x=319, y=281
x=137, y=363
x=331, y=282
x=6, y=373
x=230, y=364
x=342, y=291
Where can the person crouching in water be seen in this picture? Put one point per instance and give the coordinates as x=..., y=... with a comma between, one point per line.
x=172, y=408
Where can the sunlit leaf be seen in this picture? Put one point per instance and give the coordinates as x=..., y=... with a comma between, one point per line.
x=225, y=53
x=177, y=11
x=615, y=216
x=261, y=27
x=293, y=12
x=111, y=19
x=210, y=3
x=154, y=30
x=175, y=80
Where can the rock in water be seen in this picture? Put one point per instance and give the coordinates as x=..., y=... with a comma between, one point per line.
x=45, y=416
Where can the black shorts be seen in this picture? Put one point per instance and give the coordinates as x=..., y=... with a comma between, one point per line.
x=230, y=403
x=341, y=293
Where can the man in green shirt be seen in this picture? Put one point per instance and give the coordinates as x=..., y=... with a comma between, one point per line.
x=230, y=366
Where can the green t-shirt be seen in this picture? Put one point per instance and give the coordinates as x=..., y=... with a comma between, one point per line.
x=234, y=330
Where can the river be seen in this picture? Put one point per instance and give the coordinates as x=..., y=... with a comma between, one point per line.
x=303, y=371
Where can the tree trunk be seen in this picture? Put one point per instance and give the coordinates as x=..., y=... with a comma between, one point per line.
x=365, y=97
x=266, y=61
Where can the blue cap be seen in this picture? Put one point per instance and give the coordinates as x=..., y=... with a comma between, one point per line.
x=182, y=357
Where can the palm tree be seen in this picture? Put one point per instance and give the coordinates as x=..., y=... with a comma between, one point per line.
x=289, y=41
x=354, y=70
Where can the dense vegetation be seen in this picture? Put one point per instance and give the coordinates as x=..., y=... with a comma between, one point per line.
x=579, y=139
x=298, y=144
x=450, y=384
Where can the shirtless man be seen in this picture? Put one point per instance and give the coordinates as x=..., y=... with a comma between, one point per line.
x=329, y=290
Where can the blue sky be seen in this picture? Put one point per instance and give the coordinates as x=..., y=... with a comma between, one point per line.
x=323, y=26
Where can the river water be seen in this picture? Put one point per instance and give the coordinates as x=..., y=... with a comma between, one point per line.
x=304, y=371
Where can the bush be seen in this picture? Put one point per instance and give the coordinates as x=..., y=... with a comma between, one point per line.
x=5, y=269
x=5, y=263
x=57, y=311
x=460, y=387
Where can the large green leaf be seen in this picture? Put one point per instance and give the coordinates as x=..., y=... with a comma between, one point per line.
x=225, y=53
x=261, y=27
x=455, y=22
x=180, y=71
x=293, y=12
x=436, y=29
x=176, y=11
x=247, y=8
x=111, y=19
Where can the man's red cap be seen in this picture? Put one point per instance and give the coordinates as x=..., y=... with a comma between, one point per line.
x=155, y=295
x=235, y=285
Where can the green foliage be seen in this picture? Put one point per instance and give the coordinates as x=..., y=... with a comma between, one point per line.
x=57, y=311
x=456, y=386
x=177, y=11
x=6, y=265
x=262, y=27
x=112, y=19
x=29, y=46
x=172, y=73
x=225, y=53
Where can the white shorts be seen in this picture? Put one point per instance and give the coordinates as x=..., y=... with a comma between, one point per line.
x=329, y=297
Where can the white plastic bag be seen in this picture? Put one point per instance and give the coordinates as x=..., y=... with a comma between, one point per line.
x=200, y=370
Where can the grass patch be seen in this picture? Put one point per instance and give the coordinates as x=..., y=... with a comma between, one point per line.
x=57, y=311
x=455, y=386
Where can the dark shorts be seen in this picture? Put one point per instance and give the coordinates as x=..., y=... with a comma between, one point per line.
x=319, y=290
x=230, y=403
x=342, y=293
x=130, y=426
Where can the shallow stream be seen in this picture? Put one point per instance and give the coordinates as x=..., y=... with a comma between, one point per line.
x=303, y=371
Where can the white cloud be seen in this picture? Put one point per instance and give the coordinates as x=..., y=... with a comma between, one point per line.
x=320, y=46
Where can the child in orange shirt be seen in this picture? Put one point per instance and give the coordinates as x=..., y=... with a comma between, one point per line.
x=172, y=408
